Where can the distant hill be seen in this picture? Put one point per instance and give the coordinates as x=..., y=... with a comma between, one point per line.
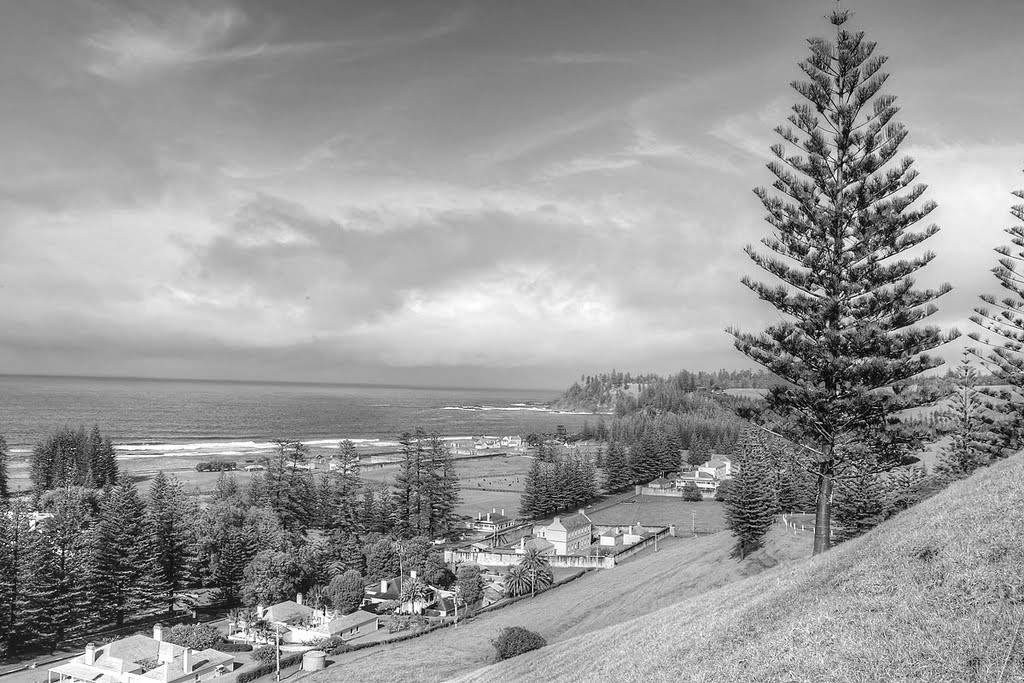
x=934, y=594
x=622, y=392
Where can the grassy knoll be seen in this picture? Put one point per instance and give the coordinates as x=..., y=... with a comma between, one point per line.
x=935, y=594
x=640, y=586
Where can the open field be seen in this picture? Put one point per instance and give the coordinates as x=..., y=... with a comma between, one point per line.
x=933, y=594
x=747, y=393
x=639, y=586
x=662, y=511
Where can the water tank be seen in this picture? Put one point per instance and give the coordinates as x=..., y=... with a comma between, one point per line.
x=314, y=660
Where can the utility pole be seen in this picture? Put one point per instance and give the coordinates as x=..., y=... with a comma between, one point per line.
x=277, y=648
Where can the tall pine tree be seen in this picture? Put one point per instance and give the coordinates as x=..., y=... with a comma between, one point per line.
x=122, y=568
x=751, y=503
x=842, y=214
x=1004, y=317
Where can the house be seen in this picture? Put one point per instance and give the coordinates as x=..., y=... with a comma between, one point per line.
x=254, y=467
x=141, y=659
x=662, y=484
x=354, y=625
x=493, y=522
x=611, y=537
x=391, y=589
x=288, y=612
x=542, y=546
x=488, y=442
x=702, y=478
x=568, y=534
x=634, y=534
x=299, y=623
x=719, y=465
x=511, y=442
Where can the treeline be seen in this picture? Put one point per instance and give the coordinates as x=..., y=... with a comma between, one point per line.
x=80, y=557
x=70, y=457
x=608, y=391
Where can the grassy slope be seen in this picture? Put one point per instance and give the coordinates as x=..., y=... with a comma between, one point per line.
x=641, y=585
x=935, y=594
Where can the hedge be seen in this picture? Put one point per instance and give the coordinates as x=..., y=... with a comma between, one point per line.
x=264, y=669
x=229, y=646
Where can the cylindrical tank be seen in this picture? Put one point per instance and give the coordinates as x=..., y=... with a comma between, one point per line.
x=314, y=660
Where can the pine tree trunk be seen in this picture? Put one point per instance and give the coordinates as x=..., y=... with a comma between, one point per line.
x=823, y=510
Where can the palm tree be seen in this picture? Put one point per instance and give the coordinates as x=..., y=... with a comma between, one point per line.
x=517, y=581
x=413, y=591
x=535, y=566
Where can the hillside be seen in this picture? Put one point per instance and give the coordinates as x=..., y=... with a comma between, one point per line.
x=935, y=594
x=643, y=584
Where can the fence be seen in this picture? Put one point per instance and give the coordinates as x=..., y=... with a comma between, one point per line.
x=796, y=527
x=507, y=559
x=646, y=543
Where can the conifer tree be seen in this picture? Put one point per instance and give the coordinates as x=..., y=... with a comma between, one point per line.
x=4, y=492
x=751, y=503
x=39, y=606
x=409, y=484
x=70, y=534
x=859, y=504
x=445, y=494
x=121, y=566
x=842, y=218
x=1004, y=318
x=965, y=451
x=344, y=490
x=171, y=538
x=617, y=468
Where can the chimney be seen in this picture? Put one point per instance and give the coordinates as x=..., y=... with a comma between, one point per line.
x=488, y=516
x=298, y=598
x=158, y=632
x=502, y=512
x=259, y=611
x=412, y=574
x=478, y=516
x=494, y=510
x=90, y=654
x=383, y=585
x=186, y=660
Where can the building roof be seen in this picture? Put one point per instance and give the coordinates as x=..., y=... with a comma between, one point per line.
x=716, y=463
x=696, y=474
x=354, y=620
x=539, y=544
x=662, y=481
x=125, y=656
x=573, y=521
x=288, y=612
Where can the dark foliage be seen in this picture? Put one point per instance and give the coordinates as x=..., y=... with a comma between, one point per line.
x=515, y=640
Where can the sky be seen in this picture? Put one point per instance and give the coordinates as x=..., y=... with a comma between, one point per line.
x=444, y=193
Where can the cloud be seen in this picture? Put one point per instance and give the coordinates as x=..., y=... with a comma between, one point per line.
x=585, y=58
x=164, y=37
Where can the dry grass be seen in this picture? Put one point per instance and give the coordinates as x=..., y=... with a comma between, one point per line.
x=934, y=594
x=643, y=584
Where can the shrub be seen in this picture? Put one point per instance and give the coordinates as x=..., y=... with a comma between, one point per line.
x=229, y=646
x=692, y=494
x=267, y=653
x=515, y=640
x=264, y=669
x=195, y=636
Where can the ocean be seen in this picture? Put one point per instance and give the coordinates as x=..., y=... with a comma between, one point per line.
x=148, y=417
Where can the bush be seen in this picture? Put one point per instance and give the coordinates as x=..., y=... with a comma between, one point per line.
x=264, y=669
x=692, y=494
x=267, y=653
x=515, y=640
x=230, y=646
x=195, y=636
x=216, y=466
